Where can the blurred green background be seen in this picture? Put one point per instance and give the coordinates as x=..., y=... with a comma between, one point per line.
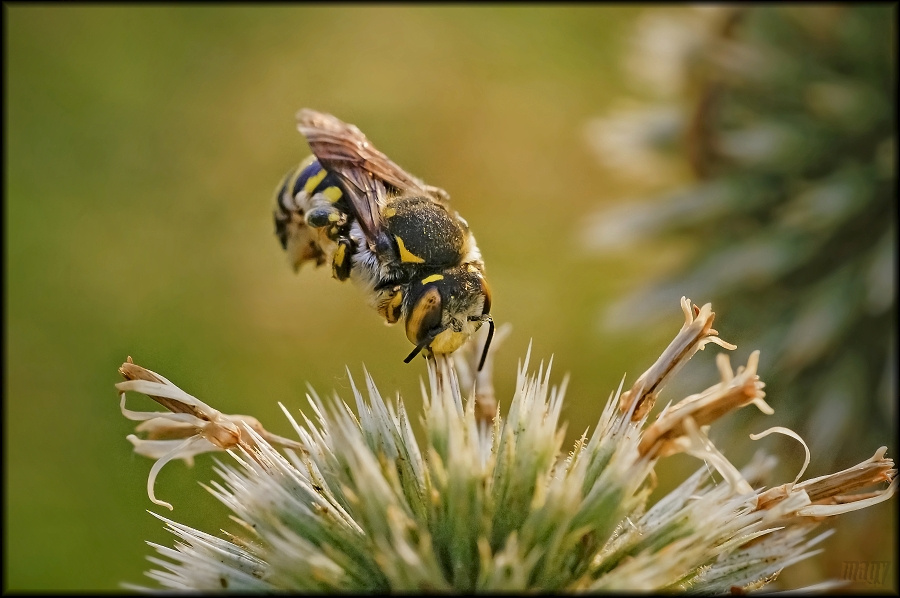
x=143, y=147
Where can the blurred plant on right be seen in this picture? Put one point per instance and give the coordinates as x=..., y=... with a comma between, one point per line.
x=785, y=118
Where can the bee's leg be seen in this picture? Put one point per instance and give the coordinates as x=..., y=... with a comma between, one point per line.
x=389, y=302
x=319, y=217
x=323, y=212
x=341, y=262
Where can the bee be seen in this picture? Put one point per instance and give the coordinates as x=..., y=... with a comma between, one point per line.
x=394, y=236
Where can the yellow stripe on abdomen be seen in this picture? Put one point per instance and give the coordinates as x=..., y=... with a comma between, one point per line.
x=313, y=181
x=333, y=193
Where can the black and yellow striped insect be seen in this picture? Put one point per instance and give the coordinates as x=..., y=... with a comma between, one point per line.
x=394, y=236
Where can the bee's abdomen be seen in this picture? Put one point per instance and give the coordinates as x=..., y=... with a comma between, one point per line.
x=424, y=232
x=303, y=188
x=304, y=181
x=298, y=187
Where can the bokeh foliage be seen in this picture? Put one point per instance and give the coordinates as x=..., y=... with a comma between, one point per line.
x=143, y=145
x=785, y=119
x=786, y=116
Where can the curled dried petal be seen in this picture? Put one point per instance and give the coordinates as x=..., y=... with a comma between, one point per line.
x=838, y=508
x=833, y=490
x=732, y=393
x=190, y=428
x=176, y=452
x=792, y=434
x=694, y=335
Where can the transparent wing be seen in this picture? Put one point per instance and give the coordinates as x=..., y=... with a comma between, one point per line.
x=367, y=174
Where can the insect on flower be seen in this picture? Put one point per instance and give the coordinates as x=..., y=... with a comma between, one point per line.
x=387, y=231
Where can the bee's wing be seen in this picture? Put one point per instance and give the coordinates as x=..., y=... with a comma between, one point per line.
x=367, y=174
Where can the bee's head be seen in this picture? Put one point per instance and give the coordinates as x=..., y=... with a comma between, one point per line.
x=443, y=310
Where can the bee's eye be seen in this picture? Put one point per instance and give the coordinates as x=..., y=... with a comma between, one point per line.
x=424, y=316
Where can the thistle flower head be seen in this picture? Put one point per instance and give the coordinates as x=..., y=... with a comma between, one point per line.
x=481, y=502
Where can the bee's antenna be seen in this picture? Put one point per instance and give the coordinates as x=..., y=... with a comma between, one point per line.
x=487, y=343
x=427, y=341
x=415, y=351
